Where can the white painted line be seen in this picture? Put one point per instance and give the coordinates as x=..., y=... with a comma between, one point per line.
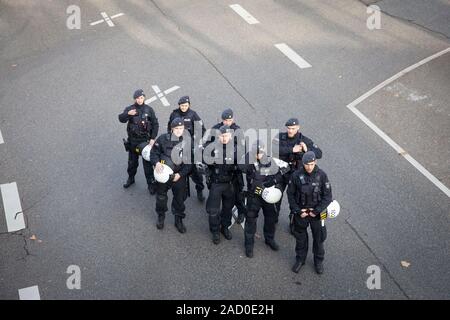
x=165, y=102
x=150, y=100
x=385, y=137
x=30, y=293
x=244, y=14
x=156, y=89
x=12, y=207
x=107, y=19
x=1, y=138
x=117, y=15
x=96, y=22
x=170, y=90
x=234, y=216
x=293, y=56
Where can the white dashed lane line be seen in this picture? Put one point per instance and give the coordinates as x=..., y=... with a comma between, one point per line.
x=13, y=209
x=1, y=138
x=244, y=14
x=30, y=293
x=384, y=136
x=293, y=56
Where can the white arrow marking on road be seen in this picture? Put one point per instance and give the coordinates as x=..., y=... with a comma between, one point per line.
x=1, y=138
x=12, y=207
x=293, y=56
x=384, y=136
x=244, y=14
x=160, y=95
x=30, y=293
x=107, y=19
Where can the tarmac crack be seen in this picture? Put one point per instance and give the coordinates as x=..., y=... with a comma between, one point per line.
x=378, y=259
x=203, y=55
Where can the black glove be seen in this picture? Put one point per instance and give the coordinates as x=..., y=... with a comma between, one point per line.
x=270, y=182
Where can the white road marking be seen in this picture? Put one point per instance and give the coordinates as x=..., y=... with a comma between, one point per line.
x=117, y=15
x=244, y=14
x=13, y=209
x=30, y=293
x=293, y=56
x=233, y=218
x=1, y=138
x=385, y=137
x=161, y=95
x=107, y=19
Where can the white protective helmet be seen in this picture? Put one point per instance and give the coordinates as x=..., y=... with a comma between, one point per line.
x=163, y=176
x=146, y=152
x=271, y=195
x=333, y=209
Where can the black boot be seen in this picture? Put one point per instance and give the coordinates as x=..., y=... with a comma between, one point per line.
x=216, y=238
x=272, y=244
x=297, y=266
x=160, y=224
x=319, y=267
x=226, y=233
x=249, y=251
x=200, y=196
x=129, y=182
x=179, y=224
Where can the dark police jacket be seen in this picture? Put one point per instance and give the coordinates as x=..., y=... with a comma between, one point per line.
x=226, y=169
x=261, y=174
x=189, y=117
x=162, y=152
x=309, y=191
x=286, y=144
x=143, y=126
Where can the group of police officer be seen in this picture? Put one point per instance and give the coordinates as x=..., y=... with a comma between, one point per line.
x=224, y=166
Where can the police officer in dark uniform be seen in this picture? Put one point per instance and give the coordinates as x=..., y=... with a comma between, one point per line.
x=165, y=147
x=222, y=171
x=239, y=202
x=309, y=194
x=292, y=145
x=191, y=121
x=142, y=128
x=261, y=172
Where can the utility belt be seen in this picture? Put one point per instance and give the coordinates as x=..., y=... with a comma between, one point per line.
x=221, y=179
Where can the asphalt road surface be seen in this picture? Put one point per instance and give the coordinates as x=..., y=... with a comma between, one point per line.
x=62, y=158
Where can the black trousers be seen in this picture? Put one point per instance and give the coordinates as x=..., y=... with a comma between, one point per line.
x=319, y=234
x=197, y=178
x=254, y=204
x=239, y=199
x=179, y=191
x=220, y=193
x=133, y=163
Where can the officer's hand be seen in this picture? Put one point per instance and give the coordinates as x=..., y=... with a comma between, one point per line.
x=176, y=177
x=312, y=214
x=297, y=148
x=304, y=147
x=159, y=167
x=132, y=112
x=152, y=141
x=304, y=213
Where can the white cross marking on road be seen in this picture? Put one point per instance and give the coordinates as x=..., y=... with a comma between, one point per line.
x=161, y=95
x=107, y=19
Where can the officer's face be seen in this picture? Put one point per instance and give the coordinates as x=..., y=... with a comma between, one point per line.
x=224, y=138
x=228, y=122
x=309, y=167
x=292, y=130
x=178, y=131
x=140, y=100
x=184, y=107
